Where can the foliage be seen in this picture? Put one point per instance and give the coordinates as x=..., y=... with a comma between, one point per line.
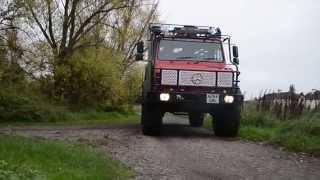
x=60, y=60
x=92, y=78
x=25, y=108
x=22, y=103
x=89, y=76
x=16, y=172
x=301, y=134
x=22, y=158
x=133, y=81
x=130, y=27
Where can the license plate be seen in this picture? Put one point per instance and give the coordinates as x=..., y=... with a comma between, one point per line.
x=213, y=98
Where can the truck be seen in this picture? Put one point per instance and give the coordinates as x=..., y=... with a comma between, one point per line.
x=192, y=70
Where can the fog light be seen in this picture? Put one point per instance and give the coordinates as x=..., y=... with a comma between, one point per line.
x=228, y=99
x=164, y=97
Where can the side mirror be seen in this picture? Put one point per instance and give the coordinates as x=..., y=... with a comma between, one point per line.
x=235, y=51
x=235, y=54
x=140, y=51
x=139, y=57
x=140, y=47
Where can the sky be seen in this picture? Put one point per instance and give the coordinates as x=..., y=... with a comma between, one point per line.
x=279, y=40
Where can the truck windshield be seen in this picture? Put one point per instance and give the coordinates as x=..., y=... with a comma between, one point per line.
x=190, y=50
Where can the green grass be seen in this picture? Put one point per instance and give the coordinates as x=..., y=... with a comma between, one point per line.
x=298, y=135
x=257, y=134
x=100, y=117
x=83, y=118
x=22, y=158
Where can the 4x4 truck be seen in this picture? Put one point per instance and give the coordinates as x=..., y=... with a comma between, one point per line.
x=188, y=71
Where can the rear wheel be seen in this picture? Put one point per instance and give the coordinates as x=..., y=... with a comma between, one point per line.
x=151, y=120
x=196, y=119
x=226, y=123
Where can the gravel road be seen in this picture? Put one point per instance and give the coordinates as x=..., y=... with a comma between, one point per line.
x=183, y=152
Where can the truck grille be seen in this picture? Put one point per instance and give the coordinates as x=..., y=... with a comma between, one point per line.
x=225, y=79
x=197, y=78
x=169, y=77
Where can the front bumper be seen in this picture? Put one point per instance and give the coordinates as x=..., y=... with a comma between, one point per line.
x=188, y=102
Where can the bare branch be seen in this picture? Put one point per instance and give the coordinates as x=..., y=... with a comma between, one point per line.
x=65, y=25
x=50, y=24
x=88, y=21
x=34, y=16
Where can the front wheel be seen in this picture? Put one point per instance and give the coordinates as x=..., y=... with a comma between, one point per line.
x=151, y=120
x=226, y=123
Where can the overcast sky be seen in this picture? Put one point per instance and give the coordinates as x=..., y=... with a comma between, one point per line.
x=278, y=39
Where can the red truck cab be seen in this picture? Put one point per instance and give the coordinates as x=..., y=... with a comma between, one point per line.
x=188, y=71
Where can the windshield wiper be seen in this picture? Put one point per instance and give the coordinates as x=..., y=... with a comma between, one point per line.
x=208, y=58
x=185, y=57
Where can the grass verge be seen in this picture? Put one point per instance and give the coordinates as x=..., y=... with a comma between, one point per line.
x=82, y=118
x=22, y=158
x=298, y=135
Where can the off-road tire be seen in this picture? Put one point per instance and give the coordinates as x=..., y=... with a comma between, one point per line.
x=226, y=122
x=196, y=119
x=151, y=120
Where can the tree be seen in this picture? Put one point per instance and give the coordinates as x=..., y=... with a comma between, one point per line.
x=64, y=23
x=130, y=26
x=8, y=13
x=10, y=50
x=65, y=26
x=62, y=44
x=9, y=10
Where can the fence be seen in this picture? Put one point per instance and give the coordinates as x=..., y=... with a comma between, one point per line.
x=286, y=105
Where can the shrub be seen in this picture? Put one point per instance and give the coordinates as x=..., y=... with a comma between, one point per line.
x=133, y=81
x=93, y=78
x=17, y=104
x=90, y=80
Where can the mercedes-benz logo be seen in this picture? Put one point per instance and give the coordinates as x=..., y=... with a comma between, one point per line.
x=196, y=78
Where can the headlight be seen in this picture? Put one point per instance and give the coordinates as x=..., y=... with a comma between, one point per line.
x=228, y=99
x=164, y=97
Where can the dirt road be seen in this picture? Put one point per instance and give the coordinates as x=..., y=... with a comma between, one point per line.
x=183, y=152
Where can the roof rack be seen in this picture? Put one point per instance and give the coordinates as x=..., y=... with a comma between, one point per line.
x=190, y=31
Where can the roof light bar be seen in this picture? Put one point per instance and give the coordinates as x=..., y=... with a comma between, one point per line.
x=174, y=30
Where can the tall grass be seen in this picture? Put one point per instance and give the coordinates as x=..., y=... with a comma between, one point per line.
x=288, y=105
x=300, y=134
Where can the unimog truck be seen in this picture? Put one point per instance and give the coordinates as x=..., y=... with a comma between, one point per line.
x=193, y=70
